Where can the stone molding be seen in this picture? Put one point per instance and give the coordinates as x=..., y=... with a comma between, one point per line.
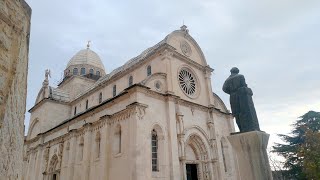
x=153, y=77
x=134, y=109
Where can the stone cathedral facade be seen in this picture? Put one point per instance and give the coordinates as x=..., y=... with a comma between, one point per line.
x=155, y=117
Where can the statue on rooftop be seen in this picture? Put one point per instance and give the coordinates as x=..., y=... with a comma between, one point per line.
x=241, y=102
x=47, y=74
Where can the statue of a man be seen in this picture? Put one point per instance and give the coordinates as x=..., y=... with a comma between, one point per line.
x=47, y=74
x=241, y=102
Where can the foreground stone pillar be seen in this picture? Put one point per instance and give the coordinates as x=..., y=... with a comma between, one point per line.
x=14, y=45
x=252, y=159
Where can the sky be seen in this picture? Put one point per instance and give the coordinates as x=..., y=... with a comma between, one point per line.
x=274, y=43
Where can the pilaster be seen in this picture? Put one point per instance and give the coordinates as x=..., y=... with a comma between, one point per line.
x=167, y=56
x=87, y=149
x=173, y=150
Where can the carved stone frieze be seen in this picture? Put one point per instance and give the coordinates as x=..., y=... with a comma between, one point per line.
x=46, y=159
x=60, y=151
x=138, y=110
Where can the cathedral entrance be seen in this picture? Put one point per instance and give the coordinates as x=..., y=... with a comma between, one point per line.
x=54, y=177
x=196, y=161
x=192, y=171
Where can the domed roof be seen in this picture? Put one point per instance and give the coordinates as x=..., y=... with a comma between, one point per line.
x=86, y=56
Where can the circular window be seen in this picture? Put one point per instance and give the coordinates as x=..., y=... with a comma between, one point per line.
x=158, y=85
x=187, y=82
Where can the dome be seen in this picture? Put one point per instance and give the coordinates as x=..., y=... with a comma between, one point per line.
x=86, y=56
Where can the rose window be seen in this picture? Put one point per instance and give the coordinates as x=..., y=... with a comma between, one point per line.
x=187, y=82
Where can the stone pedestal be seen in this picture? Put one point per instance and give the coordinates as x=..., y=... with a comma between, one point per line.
x=252, y=159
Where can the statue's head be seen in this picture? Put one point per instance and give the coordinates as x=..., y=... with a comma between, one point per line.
x=234, y=70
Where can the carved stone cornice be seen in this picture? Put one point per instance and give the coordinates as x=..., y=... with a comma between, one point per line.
x=119, y=116
x=139, y=109
x=135, y=109
x=189, y=61
x=166, y=54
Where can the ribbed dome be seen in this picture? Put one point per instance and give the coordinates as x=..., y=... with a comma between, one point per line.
x=86, y=56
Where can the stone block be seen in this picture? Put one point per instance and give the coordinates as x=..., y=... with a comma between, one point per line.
x=252, y=158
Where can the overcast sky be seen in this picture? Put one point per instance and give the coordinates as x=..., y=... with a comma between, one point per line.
x=274, y=43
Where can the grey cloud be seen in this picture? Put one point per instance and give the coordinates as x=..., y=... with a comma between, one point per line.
x=274, y=43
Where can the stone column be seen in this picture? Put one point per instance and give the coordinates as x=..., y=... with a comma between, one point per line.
x=208, y=85
x=250, y=149
x=181, y=145
x=213, y=147
x=167, y=56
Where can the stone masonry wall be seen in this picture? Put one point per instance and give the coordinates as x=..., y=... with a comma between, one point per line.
x=14, y=46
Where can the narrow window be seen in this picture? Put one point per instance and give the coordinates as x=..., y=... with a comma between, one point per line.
x=130, y=81
x=75, y=110
x=75, y=71
x=83, y=71
x=117, y=140
x=149, y=70
x=114, y=92
x=87, y=104
x=224, y=157
x=154, y=150
x=100, y=97
x=91, y=71
x=81, y=144
x=98, y=146
x=98, y=73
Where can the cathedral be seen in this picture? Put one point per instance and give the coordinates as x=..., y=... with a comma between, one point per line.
x=155, y=117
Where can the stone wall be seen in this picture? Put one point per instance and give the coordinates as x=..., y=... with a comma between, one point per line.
x=14, y=46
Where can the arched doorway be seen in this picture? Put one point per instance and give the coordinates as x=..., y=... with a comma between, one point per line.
x=53, y=170
x=197, y=160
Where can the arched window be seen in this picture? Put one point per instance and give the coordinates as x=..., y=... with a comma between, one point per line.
x=98, y=144
x=98, y=73
x=149, y=70
x=114, y=90
x=75, y=110
x=87, y=104
x=75, y=71
x=100, y=97
x=117, y=140
x=130, y=81
x=154, y=150
x=91, y=71
x=83, y=71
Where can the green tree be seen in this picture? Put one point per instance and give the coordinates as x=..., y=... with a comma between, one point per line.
x=310, y=150
x=301, y=147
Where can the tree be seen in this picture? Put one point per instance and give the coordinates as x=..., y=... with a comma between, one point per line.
x=310, y=150
x=301, y=148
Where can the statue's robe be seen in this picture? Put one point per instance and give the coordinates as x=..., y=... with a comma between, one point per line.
x=241, y=102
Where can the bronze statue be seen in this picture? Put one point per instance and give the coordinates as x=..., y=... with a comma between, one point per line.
x=241, y=101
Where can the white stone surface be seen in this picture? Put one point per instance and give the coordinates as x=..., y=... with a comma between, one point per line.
x=14, y=45
x=251, y=153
